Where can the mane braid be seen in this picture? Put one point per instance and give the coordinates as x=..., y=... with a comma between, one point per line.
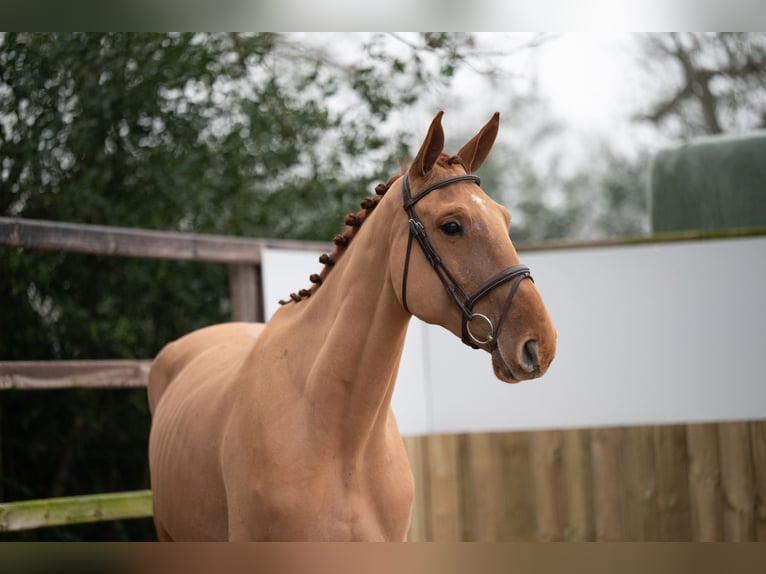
x=353, y=222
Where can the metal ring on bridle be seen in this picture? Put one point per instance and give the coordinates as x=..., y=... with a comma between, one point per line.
x=476, y=340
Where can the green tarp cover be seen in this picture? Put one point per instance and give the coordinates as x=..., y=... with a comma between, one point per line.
x=711, y=183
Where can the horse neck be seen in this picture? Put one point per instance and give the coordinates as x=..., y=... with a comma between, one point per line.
x=356, y=327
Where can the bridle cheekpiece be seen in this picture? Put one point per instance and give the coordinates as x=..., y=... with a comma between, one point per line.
x=465, y=302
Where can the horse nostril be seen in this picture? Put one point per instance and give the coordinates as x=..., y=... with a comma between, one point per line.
x=530, y=360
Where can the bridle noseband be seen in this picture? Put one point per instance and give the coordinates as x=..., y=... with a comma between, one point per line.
x=465, y=302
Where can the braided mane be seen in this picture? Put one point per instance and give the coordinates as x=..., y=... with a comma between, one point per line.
x=353, y=222
x=341, y=241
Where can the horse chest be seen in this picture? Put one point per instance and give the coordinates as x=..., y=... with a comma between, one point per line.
x=332, y=509
x=311, y=496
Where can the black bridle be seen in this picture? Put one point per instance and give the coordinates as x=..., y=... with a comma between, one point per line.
x=465, y=302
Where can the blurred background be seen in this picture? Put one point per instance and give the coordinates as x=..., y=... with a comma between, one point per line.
x=280, y=135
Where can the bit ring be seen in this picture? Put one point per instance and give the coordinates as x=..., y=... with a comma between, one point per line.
x=476, y=340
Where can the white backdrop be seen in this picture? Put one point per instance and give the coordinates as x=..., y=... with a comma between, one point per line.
x=651, y=333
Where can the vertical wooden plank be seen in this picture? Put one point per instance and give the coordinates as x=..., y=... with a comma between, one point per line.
x=546, y=468
x=445, y=517
x=246, y=293
x=672, y=464
x=579, y=523
x=737, y=481
x=518, y=519
x=758, y=449
x=641, y=517
x=705, y=495
x=482, y=494
x=608, y=483
x=416, y=452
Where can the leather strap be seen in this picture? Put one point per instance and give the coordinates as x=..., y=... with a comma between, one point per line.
x=410, y=201
x=517, y=272
x=464, y=302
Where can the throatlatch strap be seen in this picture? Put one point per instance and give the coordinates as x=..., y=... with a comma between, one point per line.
x=404, y=275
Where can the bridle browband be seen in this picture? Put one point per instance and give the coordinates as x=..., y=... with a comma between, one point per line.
x=465, y=302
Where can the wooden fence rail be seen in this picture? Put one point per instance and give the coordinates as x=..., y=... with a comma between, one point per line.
x=129, y=242
x=243, y=255
x=47, y=375
x=30, y=514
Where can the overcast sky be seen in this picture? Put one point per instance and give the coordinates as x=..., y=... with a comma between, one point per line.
x=592, y=81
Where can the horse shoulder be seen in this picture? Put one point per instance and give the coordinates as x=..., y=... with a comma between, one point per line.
x=192, y=388
x=178, y=354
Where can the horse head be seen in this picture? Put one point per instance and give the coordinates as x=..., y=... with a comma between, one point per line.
x=453, y=262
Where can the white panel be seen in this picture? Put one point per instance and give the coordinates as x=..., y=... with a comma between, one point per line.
x=654, y=333
x=283, y=272
x=410, y=402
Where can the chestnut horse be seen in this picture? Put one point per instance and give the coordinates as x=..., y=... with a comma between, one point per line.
x=284, y=431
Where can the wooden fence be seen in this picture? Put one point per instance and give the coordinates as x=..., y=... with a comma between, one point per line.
x=243, y=256
x=676, y=482
x=700, y=482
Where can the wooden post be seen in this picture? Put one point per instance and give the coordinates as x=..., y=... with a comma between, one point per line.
x=446, y=521
x=417, y=453
x=642, y=518
x=246, y=293
x=737, y=482
x=518, y=518
x=546, y=447
x=578, y=488
x=482, y=494
x=705, y=493
x=672, y=465
x=758, y=448
x=607, y=455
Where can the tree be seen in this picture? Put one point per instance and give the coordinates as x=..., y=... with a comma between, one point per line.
x=604, y=194
x=711, y=83
x=716, y=82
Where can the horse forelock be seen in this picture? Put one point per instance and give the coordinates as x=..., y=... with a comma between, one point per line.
x=453, y=160
x=443, y=167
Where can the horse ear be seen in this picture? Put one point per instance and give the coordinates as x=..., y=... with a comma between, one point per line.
x=477, y=149
x=430, y=149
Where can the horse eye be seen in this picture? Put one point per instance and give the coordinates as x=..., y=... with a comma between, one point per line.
x=452, y=228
